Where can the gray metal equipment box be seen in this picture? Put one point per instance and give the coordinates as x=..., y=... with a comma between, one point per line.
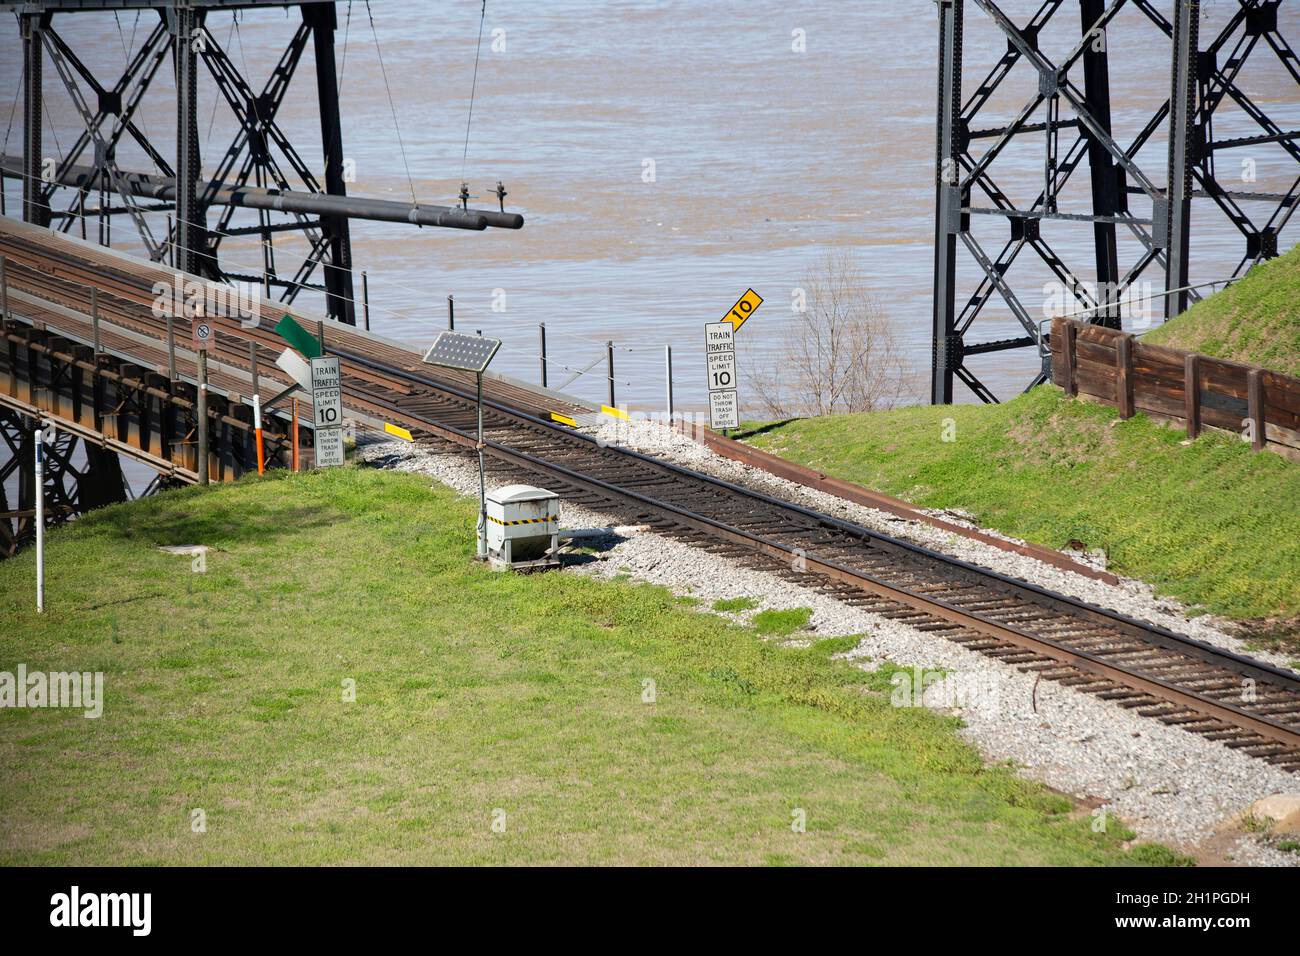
x=523, y=527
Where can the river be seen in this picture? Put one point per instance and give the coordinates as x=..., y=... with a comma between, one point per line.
x=777, y=131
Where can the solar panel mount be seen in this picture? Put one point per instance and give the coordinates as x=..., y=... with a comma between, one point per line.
x=471, y=353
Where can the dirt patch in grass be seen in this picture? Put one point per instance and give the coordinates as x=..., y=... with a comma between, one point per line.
x=1281, y=634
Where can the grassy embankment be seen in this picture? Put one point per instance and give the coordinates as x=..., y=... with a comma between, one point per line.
x=1211, y=522
x=1257, y=320
x=474, y=692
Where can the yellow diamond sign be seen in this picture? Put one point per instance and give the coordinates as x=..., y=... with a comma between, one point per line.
x=743, y=309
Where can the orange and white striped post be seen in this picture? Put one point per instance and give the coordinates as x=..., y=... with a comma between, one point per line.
x=257, y=408
x=257, y=430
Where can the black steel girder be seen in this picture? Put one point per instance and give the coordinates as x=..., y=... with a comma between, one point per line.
x=1201, y=79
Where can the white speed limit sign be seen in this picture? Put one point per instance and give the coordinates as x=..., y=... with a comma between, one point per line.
x=325, y=394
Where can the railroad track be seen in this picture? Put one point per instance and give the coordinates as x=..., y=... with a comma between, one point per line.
x=1243, y=703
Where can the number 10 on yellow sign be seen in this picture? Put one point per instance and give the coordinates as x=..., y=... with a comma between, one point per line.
x=743, y=309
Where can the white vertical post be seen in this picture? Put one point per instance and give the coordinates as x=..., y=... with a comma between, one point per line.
x=40, y=520
x=482, y=486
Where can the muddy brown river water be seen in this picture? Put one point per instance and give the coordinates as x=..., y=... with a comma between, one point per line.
x=764, y=156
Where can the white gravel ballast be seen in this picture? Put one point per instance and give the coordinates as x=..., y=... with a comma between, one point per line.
x=1166, y=784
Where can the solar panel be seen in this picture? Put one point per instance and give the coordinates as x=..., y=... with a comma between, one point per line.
x=472, y=353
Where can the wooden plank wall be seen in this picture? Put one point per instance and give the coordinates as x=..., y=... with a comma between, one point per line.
x=1118, y=369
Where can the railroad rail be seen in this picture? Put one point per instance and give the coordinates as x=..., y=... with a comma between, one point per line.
x=1246, y=704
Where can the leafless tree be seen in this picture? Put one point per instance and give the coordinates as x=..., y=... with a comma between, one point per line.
x=837, y=355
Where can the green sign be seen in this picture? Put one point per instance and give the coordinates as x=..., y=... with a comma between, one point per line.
x=298, y=337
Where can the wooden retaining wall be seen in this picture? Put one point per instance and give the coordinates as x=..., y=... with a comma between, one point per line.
x=1118, y=369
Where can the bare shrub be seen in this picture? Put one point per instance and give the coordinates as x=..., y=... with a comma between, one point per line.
x=838, y=355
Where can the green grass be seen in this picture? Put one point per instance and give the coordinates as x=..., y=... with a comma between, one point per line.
x=1211, y=523
x=735, y=604
x=607, y=721
x=1256, y=320
x=780, y=623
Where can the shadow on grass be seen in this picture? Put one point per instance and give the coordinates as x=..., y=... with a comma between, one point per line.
x=586, y=550
x=177, y=518
x=133, y=599
x=763, y=429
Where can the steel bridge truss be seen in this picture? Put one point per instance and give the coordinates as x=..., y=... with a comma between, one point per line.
x=260, y=153
x=1075, y=123
x=73, y=483
x=102, y=407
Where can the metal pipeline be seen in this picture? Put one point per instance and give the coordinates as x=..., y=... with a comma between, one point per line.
x=152, y=186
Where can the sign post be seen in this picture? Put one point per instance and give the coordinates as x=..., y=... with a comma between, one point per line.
x=327, y=400
x=720, y=365
x=202, y=332
x=720, y=362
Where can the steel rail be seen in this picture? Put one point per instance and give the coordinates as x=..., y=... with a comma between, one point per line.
x=1038, y=595
x=1082, y=660
x=1171, y=640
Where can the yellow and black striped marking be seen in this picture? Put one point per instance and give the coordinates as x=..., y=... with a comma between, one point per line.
x=524, y=520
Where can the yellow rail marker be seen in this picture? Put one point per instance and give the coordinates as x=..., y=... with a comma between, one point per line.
x=564, y=419
x=399, y=431
x=616, y=412
x=743, y=309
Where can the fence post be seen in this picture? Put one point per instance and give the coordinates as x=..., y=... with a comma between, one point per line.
x=1192, y=394
x=1124, y=375
x=668, y=379
x=609, y=359
x=171, y=346
x=1068, y=331
x=541, y=332
x=94, y=319
x=1255, y=405
x=365, y=299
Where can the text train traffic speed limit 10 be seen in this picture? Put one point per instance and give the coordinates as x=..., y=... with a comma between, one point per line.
x=720, y=361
